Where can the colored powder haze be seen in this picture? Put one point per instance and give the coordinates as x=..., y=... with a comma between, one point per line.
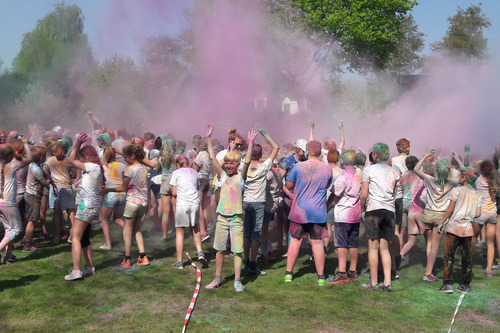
x=240, y=61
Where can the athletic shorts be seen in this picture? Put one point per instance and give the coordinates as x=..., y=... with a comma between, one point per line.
x=302, y=230
x=133, y=210
x=204, y=185
x=11, y=220
x=405, y=216
x=65, y=199
x=399, y=212
x=415, y=224
x=268, y=217
x=487, y=216
x=253, y=217
x=32, y=207
x=115, y=201
x=431, y=217
x=87, y=214
x=166, y=188
x=86, y=236
x=229, y=229
x=155, y=188
x=346, y=235
x=380, y=224
x=187, y=216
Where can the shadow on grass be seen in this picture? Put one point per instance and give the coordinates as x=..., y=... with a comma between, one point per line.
x=21, y=282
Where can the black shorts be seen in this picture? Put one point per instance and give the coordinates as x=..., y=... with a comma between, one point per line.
x=314, y=230
x=379, y=224
x=346, y=235
x=86, y=236
x=399, y=212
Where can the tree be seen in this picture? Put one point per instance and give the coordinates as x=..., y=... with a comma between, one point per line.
x=367, y=31
x=406, y=59
x=464, y=37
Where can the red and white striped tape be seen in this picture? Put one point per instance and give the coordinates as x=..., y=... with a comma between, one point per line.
x=456, y=310
x=195, y=295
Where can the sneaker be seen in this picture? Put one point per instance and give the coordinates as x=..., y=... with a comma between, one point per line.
x=464, y=289
x=30, y=247
x=238, y=287
x=288, y=277
x=125, y=263
x=64, y=237
x=446, y=289
x=488, y=274
x=338, y=278
x=73, y=275
x=205, y=237
x=430, y=278
x=256, y=272
x=263, y=260
x=163, y=239
x=178, y=265
x=143, y=262
x=201, y=258
x=271, y=255
x=386, y=288
x=88, y=271
x=69, y=240
x=9, y=259
x=352, y=275
x=214, y=284
x=370, y=286
x=105, y=246
x=394, y=275
x=495, y=267
x=321, y=282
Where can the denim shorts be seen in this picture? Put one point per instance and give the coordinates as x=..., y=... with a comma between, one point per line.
x=65, y=199
x=253, y=216
x=116, y=201
x=87, y=214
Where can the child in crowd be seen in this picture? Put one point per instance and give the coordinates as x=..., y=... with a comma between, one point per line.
x=114, y=202
x=62, y=174
x=205, y=169
x=135, y=184
x=229, y=226
x=254, y=199
x=9, y=213
x=185, y=186
x=347, y=217
x=35, y=185
x=88, y=203
x=380, y=183
x=464, y=206
x=438, y=190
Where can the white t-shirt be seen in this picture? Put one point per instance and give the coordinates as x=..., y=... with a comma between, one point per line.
x=255, y=184
x=399, y=164
x=10, y=184
x=467, y=200
x=437, y=196
x=137, y=191
x=88, y=189
x=482, y=187
x=348, y=188
x=383, y=180
x=205, y=164
x=187, y=183
x=35, y=174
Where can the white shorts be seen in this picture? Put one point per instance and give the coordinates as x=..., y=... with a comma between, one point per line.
x=11, y=220
x=187, y=216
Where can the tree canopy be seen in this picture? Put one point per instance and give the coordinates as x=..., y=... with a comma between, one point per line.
x=368, y=31
x=464, y=37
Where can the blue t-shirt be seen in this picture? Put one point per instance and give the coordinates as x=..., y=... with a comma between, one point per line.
x=312, y=178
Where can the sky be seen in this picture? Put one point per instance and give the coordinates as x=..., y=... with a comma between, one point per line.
x=18, y=17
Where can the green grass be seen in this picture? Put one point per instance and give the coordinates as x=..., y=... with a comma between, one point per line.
x=35, y=298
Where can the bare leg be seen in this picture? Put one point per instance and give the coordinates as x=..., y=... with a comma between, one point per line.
x=129, y=226
x=138, y=234
x=293, y=252
x=373, y=246
x=342, y=252
x=105, y=216
x=490, y=244
x=386, y=260
x=353, y=253
x=76, y=242
x=166, y=201
x=237, y=265
x=179, y=242
x=431, y=259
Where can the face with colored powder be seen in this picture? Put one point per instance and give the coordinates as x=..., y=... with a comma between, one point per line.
x=231, y=167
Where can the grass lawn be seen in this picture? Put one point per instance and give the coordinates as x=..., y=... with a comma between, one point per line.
x=34, y=297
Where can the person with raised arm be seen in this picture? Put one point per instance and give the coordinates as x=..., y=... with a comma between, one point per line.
x=229, y=227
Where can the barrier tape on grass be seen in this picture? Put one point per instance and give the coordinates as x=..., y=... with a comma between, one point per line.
x=195, y=295
x=460, y=299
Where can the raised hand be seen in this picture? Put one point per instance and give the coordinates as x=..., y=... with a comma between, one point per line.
x=341, y=124
x=252, y=134
x=82, y=137
x=209, y=131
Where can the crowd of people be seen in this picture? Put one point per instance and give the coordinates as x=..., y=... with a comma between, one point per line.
x=314, y=194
